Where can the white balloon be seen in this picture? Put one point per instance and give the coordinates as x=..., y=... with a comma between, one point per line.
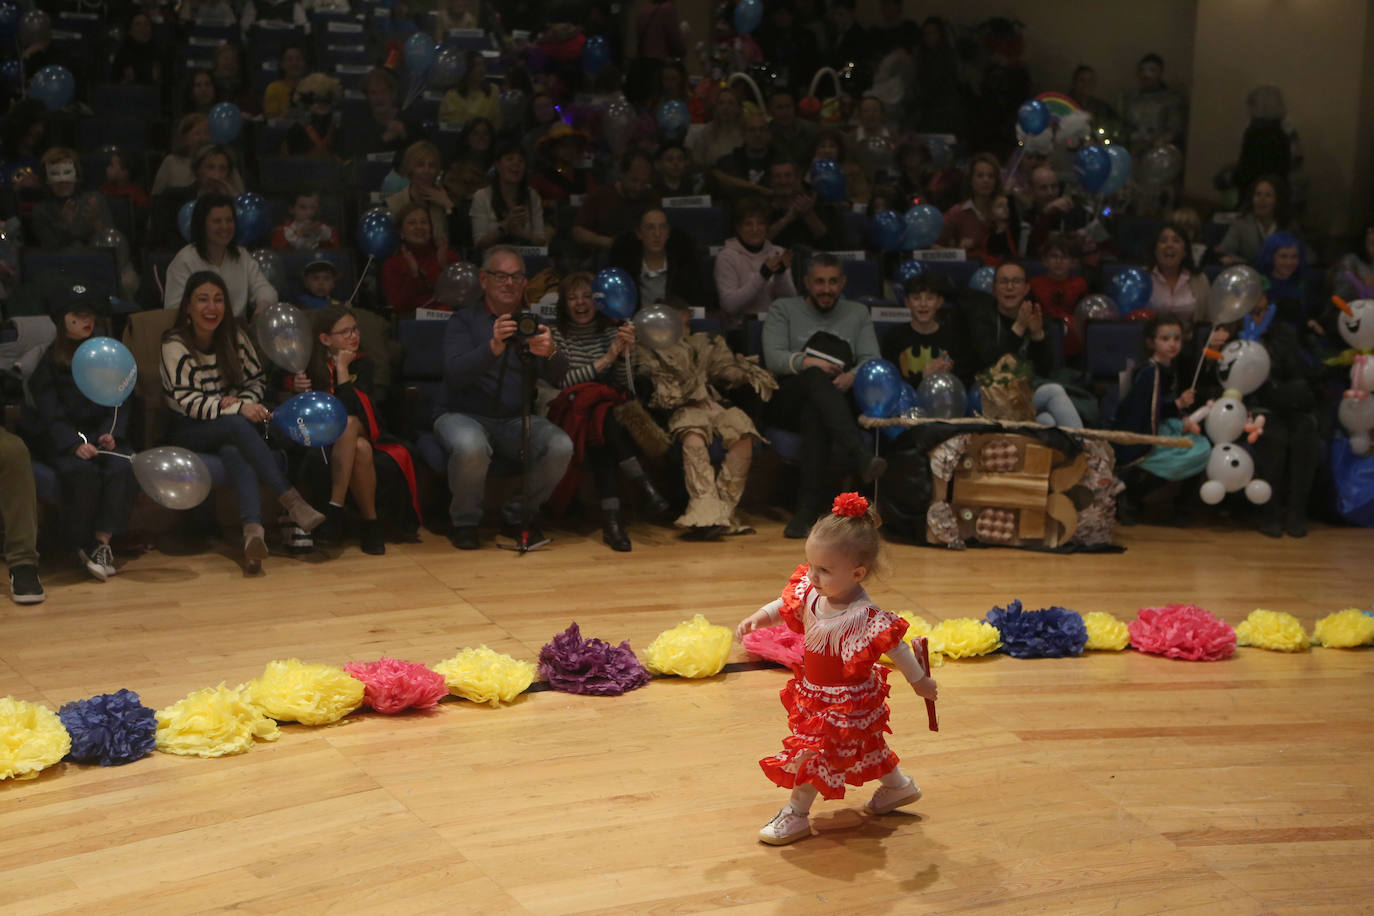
x=1231, y=466
x=1225, y=421
x=1357, y=327
x=1244, y=365
x=1357, y=416
x=1213, y=492
x=1258, y=492
x=658, y=327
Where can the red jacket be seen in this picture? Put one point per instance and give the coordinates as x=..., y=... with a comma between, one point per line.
x=403, y=289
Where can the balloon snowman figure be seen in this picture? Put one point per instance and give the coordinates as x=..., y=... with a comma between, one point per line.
x=1243, y=367
x=1356, y=412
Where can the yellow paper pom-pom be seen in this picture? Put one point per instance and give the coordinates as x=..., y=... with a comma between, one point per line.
x=1344, y=629
x=484, y=675
x=916, y=626
x=1105, y=632
x=32, y=738
x=295, y=691
x=693, y=648
x=213, y=722
x=1273, y=630
x=963, y=637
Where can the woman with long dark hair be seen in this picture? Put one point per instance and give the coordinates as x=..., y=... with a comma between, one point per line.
x=214, y=383
x=213, y=249
x=508, y=211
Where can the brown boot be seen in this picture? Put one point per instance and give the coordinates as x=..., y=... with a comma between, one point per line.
x=254, y=547
x=301, y=512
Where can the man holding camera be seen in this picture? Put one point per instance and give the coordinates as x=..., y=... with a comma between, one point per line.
x=487, y=349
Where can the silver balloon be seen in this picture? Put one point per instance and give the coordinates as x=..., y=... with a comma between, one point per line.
x=512, y=108
x=942, y=395
x=1096, y=307
x=915, y=413
x=447, y=69
x=1160, y=165
x=875, y=154
x=658, y=327
x=458, y=285
x=115, y=241
x=35, y=26
x=1235, y=292
x=172, y=477
x=1244, y=366
x=284, y=336
x=273, y=270
x=619, y=123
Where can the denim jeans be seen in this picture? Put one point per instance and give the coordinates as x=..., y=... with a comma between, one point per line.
x=246, y=456
x=1054, y=407
x=97, y=495
x=472, y=440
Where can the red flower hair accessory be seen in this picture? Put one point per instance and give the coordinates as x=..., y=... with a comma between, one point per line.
x=850, y=505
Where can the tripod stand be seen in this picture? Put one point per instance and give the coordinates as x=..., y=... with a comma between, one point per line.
x=524, y=543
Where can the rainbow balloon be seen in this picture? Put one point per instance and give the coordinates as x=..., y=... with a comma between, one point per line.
x=1058, y=103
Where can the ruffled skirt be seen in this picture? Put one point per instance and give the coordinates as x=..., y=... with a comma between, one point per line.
x=837, y=735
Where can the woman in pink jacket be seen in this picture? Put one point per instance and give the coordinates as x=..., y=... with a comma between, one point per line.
x=750, y=270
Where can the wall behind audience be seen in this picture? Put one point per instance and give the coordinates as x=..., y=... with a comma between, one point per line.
x=1321, y=54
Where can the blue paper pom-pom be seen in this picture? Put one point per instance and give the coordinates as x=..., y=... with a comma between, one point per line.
x=110, y=729
x=1049, y=633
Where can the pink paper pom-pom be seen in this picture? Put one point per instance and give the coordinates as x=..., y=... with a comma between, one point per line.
x=391, y=685
x=1182, y=631
x=776, y=643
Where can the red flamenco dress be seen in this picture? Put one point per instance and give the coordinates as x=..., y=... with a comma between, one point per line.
x=837, y=705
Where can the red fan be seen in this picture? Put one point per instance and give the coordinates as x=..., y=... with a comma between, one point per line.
x=921, y=646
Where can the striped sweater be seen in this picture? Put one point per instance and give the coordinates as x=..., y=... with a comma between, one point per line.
x=584, y=345
x=192, y=383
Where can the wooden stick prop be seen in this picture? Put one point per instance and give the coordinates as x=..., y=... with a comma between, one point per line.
x=921, y=646
x=1119, y=436
x=1207, y=353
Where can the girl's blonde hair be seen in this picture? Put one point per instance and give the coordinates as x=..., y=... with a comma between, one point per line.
x=856, y=534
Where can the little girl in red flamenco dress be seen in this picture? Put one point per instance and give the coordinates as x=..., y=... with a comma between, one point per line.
x=837, y=706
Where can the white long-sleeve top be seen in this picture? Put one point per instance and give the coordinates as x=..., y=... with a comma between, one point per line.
x=194, y=386
x=241, y=274
x=902, y=657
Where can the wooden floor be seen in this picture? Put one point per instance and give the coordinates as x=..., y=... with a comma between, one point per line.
x=1116, y=782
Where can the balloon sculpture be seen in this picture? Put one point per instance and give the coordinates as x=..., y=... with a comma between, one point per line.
x=658, y=327
x=1356, y=413
x=615, y=293
x=104, y=370
x=313, y=419
x=226, y=122
x=284, y=337
x=877, y=388
x=174, y=477
x=1243, y=368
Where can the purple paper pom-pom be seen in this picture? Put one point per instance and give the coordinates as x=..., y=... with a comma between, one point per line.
x=574, y=665
x=1049, y=633
x=110, y=729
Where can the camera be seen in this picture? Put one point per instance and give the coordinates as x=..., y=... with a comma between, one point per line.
x=526, y=325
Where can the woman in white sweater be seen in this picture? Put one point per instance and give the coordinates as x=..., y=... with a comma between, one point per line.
x=213, y=382
x=213, y=248
x=750, y=270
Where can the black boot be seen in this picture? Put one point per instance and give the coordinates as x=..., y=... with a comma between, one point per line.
x=613, y=532
x=371, y=535
x=332, y=530
x=655, y=506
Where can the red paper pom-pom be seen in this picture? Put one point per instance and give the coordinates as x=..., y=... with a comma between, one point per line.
x=391, y=685
x=1182, y=631
x=776, y=643
x=850, y=505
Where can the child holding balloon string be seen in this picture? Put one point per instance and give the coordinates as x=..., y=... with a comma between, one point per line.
x=81, y=438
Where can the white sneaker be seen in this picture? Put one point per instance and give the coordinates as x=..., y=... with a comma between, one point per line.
x=105, y=557
x=92, y=564
x=787, y=826
x=890, y=798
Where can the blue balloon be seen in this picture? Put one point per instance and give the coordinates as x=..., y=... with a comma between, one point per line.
x=615, y=293
x=184, y=215
x=974, y=399
x=394, y=182
x=226, y=122
x=312, y=419
x=420, y=52
x=1121, y=169
x=878, y=388
x=1033, y=117
x=924, y=223
x=906, y=272
x=54, y=86
x=888, y=230
x=828, y=179
x=982, y=279
x=905, y=401
x=1130, y=289
x=748, y=15
x=376, y=236
x=10, y=15
x=673, y=117
x=12, y=75
x=1091, y=167
x=105, y=371
x=596, y=54
x=252, y=219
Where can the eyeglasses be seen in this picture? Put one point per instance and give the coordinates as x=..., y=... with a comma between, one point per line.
x=501, y=276
x=1010, y=281
x=346, y=332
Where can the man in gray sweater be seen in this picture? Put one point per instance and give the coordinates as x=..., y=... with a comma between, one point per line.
x=813, y=344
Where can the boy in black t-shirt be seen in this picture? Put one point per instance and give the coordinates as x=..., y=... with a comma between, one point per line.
x=930, y=342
